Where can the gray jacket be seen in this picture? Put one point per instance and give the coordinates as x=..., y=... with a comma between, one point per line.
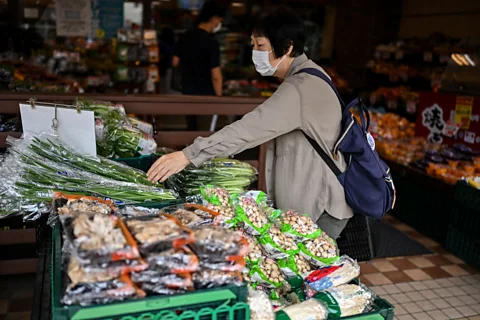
x=297, y=178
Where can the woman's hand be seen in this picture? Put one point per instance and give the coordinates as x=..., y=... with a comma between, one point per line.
x=167, y=165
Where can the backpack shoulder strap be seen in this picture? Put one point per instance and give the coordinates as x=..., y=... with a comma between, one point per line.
x=319, y=74
x=326, y=157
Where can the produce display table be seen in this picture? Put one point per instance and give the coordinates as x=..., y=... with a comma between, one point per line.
x=423, y=202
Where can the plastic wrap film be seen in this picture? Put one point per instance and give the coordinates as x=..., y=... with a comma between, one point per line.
x=341, y=272
x=192, y=215
x=159, y=283
x=207, y=278
x=158, y=234
x=36, y=167
x=232, y=175
x=260, y=306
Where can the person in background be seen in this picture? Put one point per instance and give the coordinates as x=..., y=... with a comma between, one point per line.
x=166, y=44
x=198, y=56
x=296, y=176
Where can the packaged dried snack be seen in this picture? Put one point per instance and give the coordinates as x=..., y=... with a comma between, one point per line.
x=341, y=272
x=252, y=215
x=309, y=309
x=267, y=273
x=206, y=278
x=158, y=234
x=159, y=283
x=180, y=260
x=297, y=226
x=345, y=300
x=322, y=251
x=276, y=244
x=66, y=204
x=137, y=211
x=215, y=244
x=103, y=292
x=294, y=265
x=191, y=215
x=260, y=306
x=98, y=238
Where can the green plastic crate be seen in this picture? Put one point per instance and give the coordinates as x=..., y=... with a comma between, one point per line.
x=229, y=302
x=141, y=163
x=382, y=309
x=464, y=245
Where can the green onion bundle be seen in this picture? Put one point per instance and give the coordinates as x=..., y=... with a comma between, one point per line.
x=35, y=168
x=233, y=175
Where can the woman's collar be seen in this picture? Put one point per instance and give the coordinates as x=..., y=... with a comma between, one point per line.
x=297, y=62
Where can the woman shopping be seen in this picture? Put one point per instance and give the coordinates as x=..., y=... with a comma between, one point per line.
x=297, y=177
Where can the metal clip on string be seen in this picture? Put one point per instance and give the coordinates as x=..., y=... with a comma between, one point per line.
x=55, y=123
x=32, y=102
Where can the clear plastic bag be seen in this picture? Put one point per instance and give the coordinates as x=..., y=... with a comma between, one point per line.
x=295, y=265
x=159, y=283
x=216, y=195
x=299, y=227
x=306, y=310
x=176, y=261
x=252, y=215
x=137, y=211
x=267, y=273
x=98, y=238
x=215, y=244
x=277, y=245
x=320, y=252
x=255, y=253
x=192, y=215
x=66, y=204
x=158, y=234
x=341, y=272
x=260, y=306
x=104, y=292
x=345, y=300
x=207, y=278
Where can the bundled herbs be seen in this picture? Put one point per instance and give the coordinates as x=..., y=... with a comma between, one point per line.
x=117, y=134
x=34, y=168
x=233, y=175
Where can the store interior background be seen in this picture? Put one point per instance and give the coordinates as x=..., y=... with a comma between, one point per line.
x=355, y=40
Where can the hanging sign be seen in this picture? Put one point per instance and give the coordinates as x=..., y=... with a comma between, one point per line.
x=73, y=18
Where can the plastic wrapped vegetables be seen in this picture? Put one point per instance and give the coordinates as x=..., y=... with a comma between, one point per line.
x=233, y=175
x=116, y=135
x=36, y=167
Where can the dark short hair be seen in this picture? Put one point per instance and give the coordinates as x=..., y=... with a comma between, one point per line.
x=283, y=27
x=212, y=9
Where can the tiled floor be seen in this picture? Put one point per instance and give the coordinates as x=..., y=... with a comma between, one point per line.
x=437, y=286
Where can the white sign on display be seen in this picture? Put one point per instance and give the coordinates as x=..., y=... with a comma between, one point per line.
x=76, y=129
x=73, y=18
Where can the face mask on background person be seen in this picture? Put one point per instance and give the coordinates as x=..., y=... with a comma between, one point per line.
x=217, y=28
x=262, y=63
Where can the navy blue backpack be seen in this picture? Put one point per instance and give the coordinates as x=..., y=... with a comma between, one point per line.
x=367, y=182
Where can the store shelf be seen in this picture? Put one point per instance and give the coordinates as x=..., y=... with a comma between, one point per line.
x=17, y=236
x=18, y=266
x=4, y=135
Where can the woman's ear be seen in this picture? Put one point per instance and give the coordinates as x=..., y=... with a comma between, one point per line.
x=289, y=51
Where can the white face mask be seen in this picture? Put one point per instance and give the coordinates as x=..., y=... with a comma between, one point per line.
x=217, y=28
x=262, y=63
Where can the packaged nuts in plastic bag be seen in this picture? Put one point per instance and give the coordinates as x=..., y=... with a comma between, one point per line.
x=276, y=244
x=322, y=251
x=294, y=265
x=297, y=226
x=252, y=215
x=267, y=273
